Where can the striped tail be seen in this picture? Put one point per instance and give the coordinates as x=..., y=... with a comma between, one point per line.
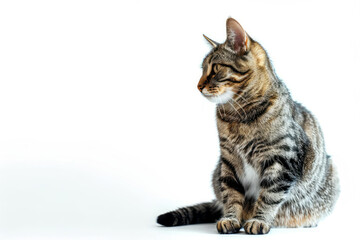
x=207, y=212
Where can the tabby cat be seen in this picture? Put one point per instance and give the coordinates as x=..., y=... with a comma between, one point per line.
x=273, y=169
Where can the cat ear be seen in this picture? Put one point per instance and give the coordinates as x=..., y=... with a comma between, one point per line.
x=237, y=38
x=212, y=42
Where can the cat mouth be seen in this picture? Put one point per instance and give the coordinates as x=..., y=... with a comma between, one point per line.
x=219, y=98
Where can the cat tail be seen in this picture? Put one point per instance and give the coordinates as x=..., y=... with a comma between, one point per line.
x=207, y=212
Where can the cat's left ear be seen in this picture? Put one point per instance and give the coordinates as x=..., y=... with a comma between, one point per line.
x=237, y=38
x=212, y=42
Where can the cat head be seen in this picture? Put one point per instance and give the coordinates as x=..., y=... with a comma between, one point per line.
x=234, y=68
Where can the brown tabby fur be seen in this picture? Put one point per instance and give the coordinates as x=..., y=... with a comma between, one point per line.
x=273, y=169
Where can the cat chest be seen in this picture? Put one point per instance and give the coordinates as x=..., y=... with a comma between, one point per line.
x=250, y=179
x=246, y=173
x=233, y=144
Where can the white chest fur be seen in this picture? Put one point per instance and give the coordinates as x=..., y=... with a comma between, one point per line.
x=251, y=181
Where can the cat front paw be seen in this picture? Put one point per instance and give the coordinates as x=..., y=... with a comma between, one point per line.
x=228, y=225
x=255, y=226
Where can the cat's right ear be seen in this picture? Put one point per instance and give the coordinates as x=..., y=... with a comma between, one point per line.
x=212, y=42
x=237, y=38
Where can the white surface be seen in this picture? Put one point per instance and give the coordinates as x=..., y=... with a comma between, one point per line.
x=102, y=127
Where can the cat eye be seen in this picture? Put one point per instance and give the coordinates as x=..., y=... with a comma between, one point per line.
x=216, y=67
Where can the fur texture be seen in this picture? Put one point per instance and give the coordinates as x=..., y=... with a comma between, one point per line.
x=273, y=169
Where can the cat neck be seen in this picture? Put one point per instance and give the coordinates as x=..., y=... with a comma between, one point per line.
x=249, y=106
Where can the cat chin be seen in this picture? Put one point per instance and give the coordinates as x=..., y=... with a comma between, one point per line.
x=221, y=99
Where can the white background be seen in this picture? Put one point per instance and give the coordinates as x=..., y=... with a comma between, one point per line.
x=102, y=127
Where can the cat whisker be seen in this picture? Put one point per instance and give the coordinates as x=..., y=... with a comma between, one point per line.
x=234, y=108
x=219, y=108
x=241, y=97
x=223, y=108
x=222, y=105
x=240, y=107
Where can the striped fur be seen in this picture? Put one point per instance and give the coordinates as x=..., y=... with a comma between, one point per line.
x=273, y=170
x=201, y=213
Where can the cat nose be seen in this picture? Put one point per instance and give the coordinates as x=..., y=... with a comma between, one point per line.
x=200, y=87
x=201, y=83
